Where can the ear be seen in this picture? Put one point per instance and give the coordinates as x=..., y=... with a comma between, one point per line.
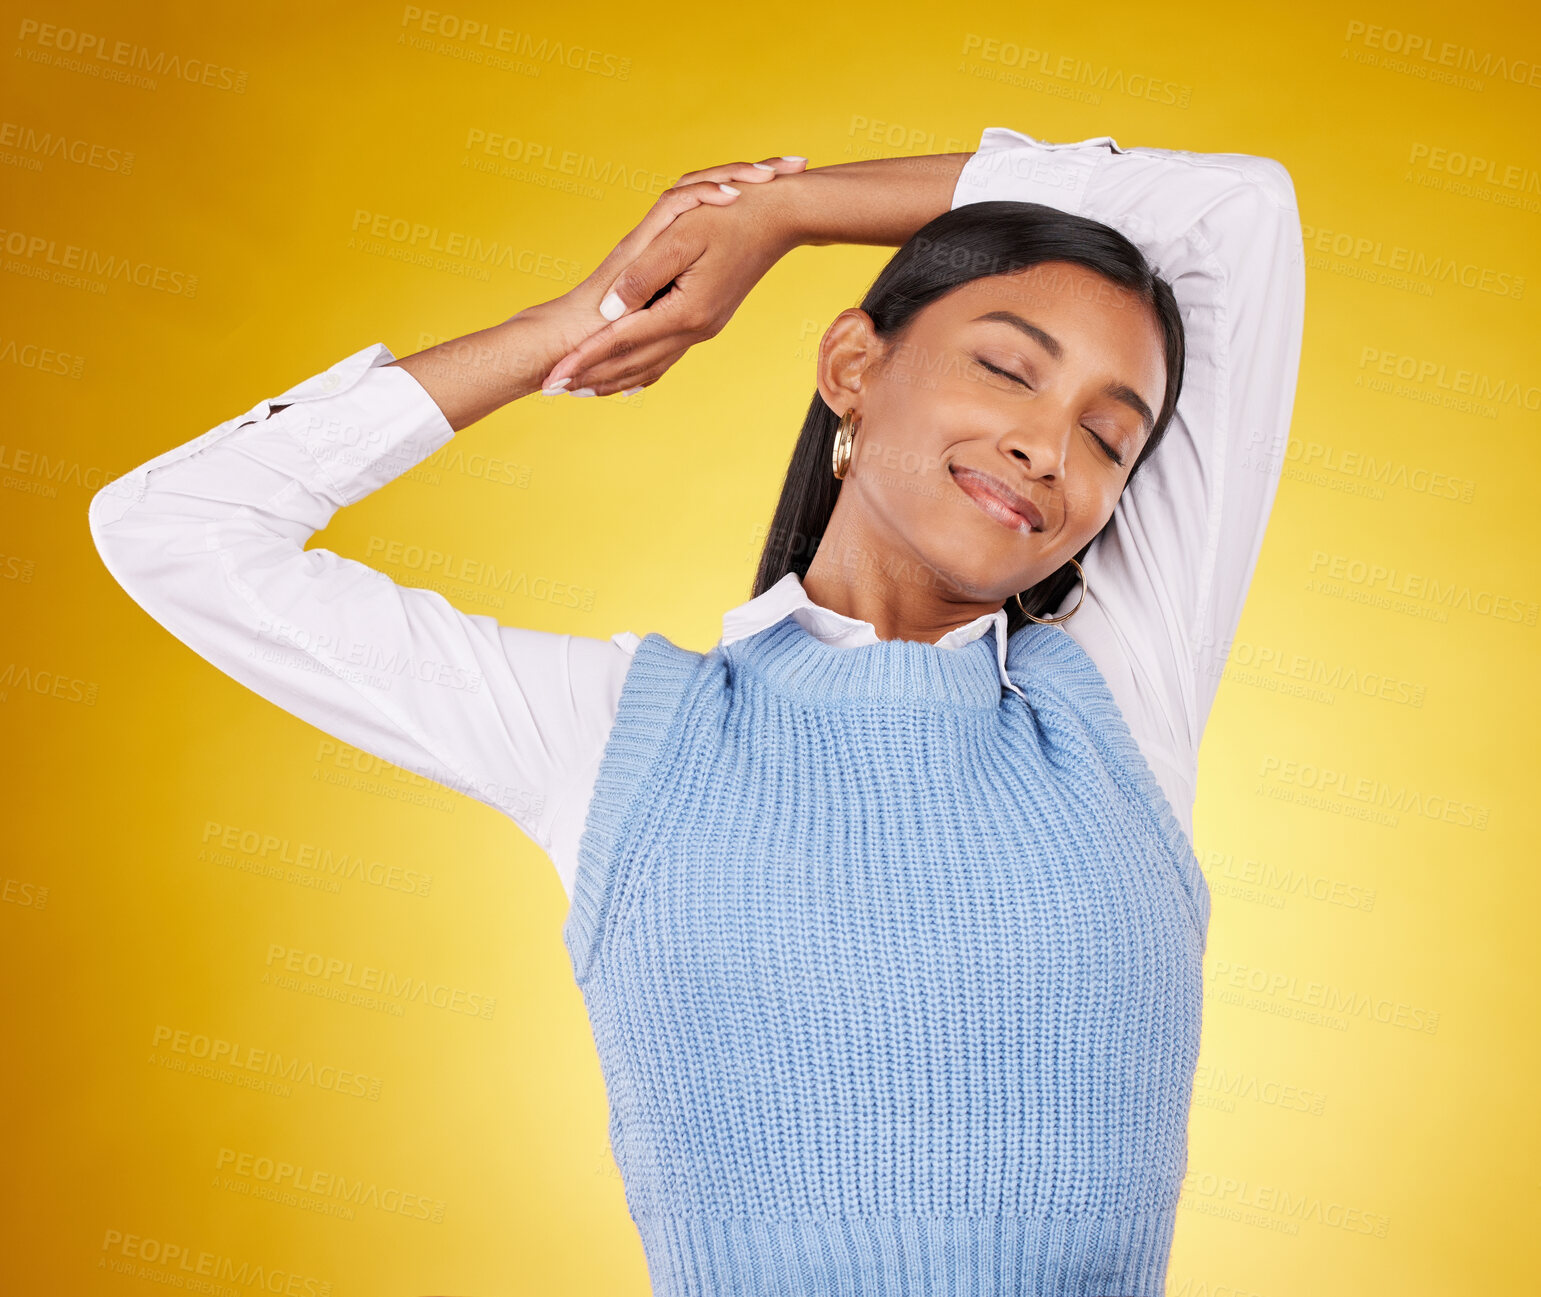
x=848, y=348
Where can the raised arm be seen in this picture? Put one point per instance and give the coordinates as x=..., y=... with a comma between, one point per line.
x=209, y=539
x=1171, y=573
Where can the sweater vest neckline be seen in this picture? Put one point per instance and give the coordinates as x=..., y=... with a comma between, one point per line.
x=796, y=663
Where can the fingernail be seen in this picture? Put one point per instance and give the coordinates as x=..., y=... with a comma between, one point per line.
x=556, y=386
x=764, y=166
x=631, y=391
x=793, y=157
x=584, y=391
x=727, y=189
x=612, y=308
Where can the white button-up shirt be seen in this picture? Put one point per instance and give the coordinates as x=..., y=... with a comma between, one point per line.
x=209, y=537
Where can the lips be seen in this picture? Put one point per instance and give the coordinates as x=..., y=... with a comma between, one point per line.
x=975, y=483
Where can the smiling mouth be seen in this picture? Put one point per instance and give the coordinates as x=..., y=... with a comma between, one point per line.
x=983, y=493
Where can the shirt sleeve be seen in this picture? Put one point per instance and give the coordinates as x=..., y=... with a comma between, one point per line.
x=1170, y=574
x=209, y=539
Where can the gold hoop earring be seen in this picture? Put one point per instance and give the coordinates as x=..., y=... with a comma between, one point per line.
x=1054, y=621
x=845, y=437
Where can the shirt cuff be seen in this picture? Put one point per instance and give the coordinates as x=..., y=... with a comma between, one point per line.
x=364, y=421
x=1012, y=166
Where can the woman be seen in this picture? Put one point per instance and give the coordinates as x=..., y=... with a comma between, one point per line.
x=884, y=910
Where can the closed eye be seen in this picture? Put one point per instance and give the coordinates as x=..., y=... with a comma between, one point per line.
x=1006, y=373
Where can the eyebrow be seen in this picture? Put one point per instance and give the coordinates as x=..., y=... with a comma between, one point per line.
x=1118, y=391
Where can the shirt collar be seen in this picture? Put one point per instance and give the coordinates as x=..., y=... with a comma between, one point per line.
x=787, y=598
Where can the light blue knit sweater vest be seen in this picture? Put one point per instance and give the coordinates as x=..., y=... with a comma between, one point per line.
x=894, y=977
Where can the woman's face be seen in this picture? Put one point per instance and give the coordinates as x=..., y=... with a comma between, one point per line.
x=1046, y=380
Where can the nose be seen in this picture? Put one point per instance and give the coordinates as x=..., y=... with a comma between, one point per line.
x=1039, y=442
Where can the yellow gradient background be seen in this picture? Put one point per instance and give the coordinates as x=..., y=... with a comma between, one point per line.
x=1365, y=1119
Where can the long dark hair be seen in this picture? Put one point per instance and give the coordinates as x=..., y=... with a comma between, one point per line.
x=964, y=244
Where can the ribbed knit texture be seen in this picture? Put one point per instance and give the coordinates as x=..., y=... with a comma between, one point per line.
x=895, y=977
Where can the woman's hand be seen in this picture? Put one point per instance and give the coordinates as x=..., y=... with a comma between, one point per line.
x=677, y=278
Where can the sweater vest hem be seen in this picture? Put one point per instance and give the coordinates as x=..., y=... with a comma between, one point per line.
x=1088, y=1255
